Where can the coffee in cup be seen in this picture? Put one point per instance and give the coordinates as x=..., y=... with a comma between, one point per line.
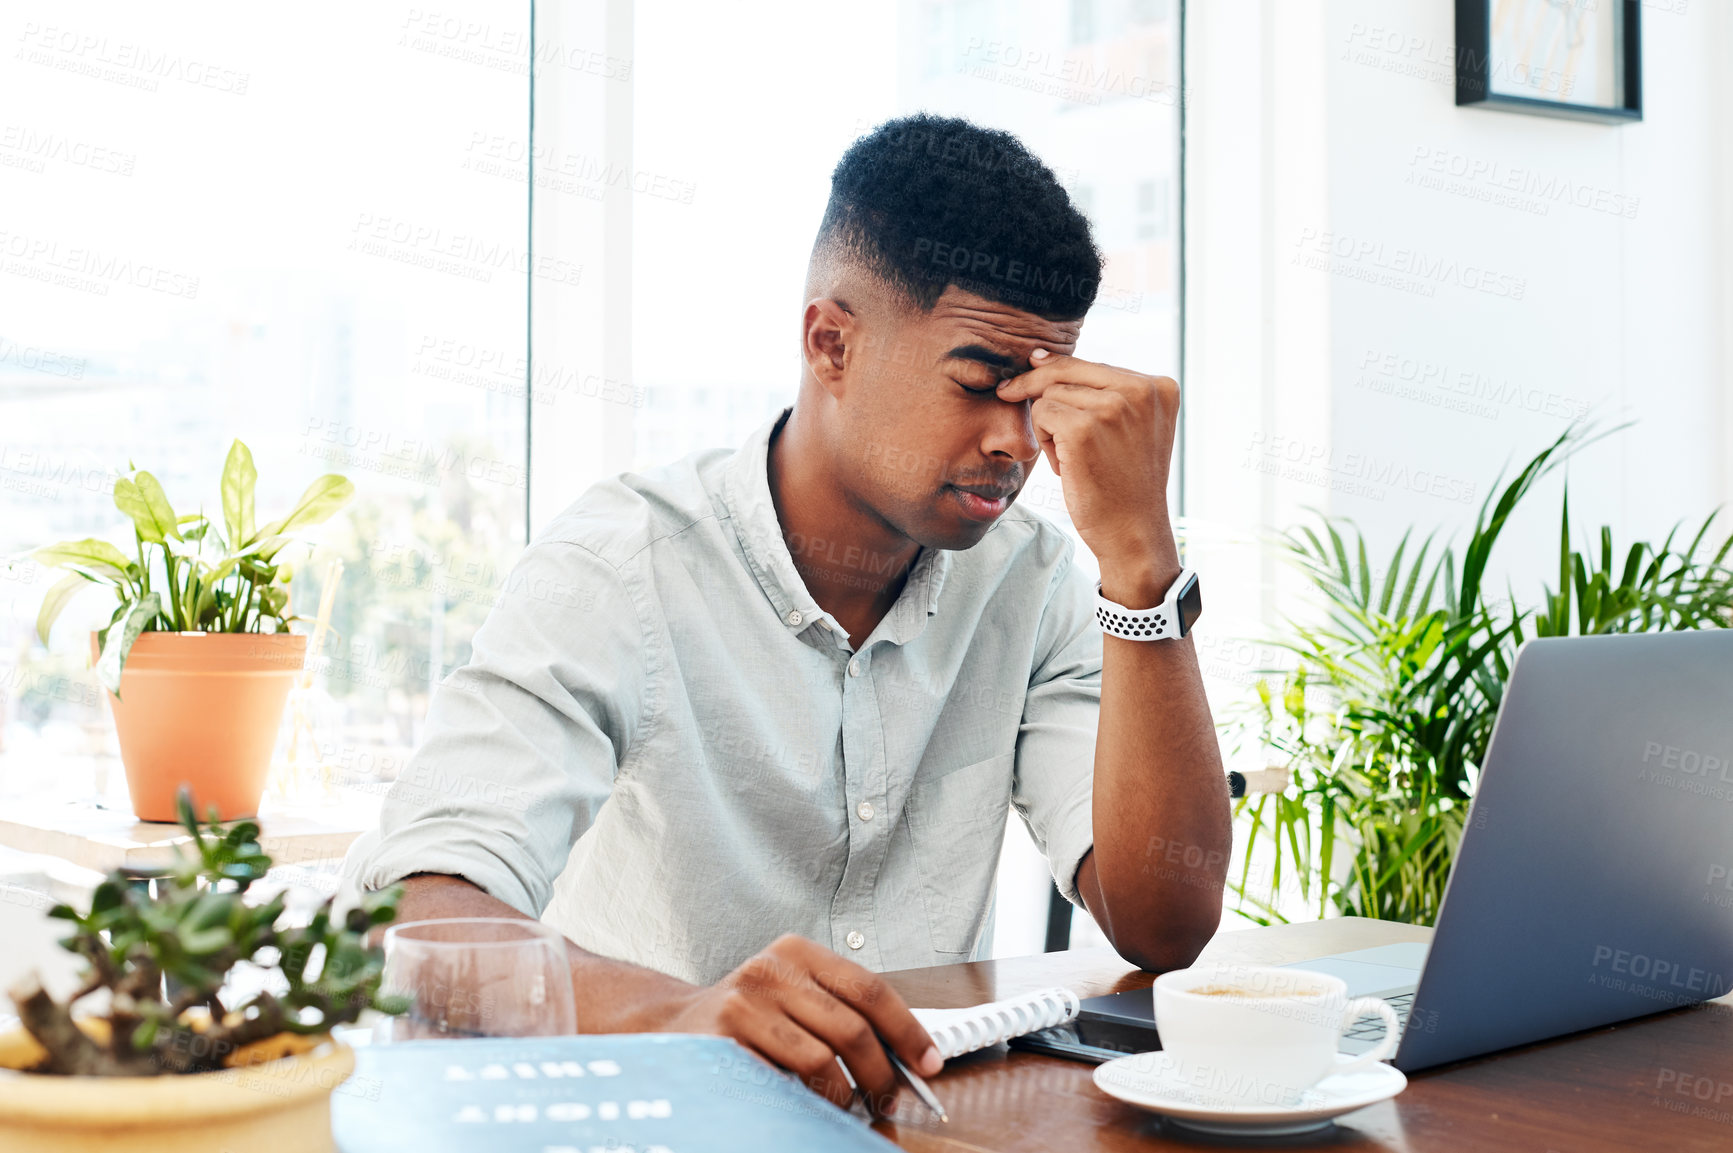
x=1254, y=1035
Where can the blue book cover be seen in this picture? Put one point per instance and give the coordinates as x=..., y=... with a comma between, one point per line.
x=645, y=1093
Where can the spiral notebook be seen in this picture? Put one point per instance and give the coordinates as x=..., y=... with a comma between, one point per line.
x=959, y=1031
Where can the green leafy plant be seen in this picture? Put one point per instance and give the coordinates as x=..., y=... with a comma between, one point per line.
x=193, y=933
x=1383, y=721
x=188, y=572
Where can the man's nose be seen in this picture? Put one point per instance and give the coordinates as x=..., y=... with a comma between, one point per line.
x=1012, y=432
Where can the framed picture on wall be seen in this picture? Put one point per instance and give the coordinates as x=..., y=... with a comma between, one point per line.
x=1579, y=59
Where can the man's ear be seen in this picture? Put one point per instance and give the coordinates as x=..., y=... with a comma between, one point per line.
x=828, y=334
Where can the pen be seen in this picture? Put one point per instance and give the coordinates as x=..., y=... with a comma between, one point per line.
x=919, y=1086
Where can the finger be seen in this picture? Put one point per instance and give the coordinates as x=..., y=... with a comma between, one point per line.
x=1084, y=397
x=831, y=1083
x=783, y=1042
x=1044, y=438
x=1049, y=448
x=880, y=1004
x=1054, y=420
x=1050, y=368
x=847, y=1032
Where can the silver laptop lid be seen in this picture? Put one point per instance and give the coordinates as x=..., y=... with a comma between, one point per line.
x=1594, y=882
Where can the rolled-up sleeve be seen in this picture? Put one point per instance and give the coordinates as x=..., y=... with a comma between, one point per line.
x=1055, y=774
x=522, y=743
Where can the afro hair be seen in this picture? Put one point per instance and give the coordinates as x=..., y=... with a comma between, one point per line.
x=927, y=201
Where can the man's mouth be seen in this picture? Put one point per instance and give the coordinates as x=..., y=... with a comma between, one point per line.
x=982, y=501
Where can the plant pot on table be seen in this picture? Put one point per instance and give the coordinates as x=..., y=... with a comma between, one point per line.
x=202, y=709
x=281, y=1105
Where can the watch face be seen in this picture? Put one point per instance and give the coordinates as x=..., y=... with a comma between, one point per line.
x=1190, y=605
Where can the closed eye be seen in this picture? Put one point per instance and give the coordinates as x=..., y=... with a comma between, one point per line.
x=988, y=390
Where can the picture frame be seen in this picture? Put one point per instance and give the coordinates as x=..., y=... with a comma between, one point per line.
x=1575, y=59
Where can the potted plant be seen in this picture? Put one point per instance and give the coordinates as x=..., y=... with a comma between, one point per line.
x=1383, y=720
x=168, y=1065
x=198, y=658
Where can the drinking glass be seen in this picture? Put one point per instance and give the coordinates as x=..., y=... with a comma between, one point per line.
x=477, y=977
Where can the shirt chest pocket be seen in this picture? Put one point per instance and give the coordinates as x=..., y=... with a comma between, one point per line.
x=956, y=824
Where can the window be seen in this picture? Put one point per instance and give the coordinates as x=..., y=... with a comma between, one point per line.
x=1082, y=21
x=331, y=235
x=305, y=232
x=1152, y=220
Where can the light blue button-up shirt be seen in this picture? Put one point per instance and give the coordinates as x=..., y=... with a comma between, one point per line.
x=663, y=745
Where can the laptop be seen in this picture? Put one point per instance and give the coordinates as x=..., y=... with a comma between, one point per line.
x=1594, y=881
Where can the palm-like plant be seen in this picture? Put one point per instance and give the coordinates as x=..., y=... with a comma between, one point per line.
x=1384, y=720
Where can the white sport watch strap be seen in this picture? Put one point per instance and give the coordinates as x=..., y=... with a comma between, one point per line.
x=1165, y=622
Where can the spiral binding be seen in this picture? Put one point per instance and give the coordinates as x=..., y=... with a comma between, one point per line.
x=1002, y=1020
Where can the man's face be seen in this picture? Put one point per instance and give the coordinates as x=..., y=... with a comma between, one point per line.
x=935, y=453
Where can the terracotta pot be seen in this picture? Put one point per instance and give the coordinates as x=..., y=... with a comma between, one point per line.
x=281, y=1106
x=202, y=709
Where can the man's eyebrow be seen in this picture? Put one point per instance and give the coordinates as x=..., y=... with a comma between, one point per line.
x=983, y=355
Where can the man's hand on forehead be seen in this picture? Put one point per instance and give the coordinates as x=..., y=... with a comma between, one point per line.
x=1108, y=435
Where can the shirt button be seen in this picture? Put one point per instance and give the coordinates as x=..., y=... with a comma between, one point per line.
x=794, y=617
x=855, y=940
x=865, y=810
x=854, y=667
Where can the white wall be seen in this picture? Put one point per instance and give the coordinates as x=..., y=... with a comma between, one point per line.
x=1315, y=126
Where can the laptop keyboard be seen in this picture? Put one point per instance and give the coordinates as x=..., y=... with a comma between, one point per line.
x=1371, y=1028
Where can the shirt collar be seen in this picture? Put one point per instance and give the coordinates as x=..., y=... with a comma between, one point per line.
x=746, y=493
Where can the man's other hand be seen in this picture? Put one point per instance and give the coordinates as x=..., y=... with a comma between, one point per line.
x=801, y=1006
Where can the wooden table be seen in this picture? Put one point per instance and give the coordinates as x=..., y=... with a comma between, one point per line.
x=105, y=839
x=1663, y=1082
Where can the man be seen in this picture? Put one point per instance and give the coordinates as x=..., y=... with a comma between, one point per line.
x=746, y=727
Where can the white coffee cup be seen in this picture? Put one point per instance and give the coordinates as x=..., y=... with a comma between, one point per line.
x=1257, y=1035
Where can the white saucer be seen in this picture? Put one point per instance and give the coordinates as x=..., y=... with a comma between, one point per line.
x=1148, y=1081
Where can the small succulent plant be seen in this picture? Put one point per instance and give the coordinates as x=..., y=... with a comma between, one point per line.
x=163, y=959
